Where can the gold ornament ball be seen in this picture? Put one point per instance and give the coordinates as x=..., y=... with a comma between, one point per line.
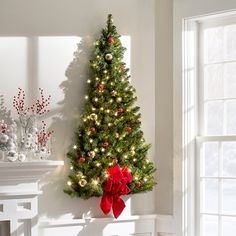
x=82, y=182
x=119, y=99
x=93, y=116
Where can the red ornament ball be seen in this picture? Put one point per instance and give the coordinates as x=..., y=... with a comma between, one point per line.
x=128, y=129
x=101, y=87
x=105, y=144
x=138, y=184
x=115, y=160
x=120, y=110
x=110, y=40
x=92, y=129
x=81, y=159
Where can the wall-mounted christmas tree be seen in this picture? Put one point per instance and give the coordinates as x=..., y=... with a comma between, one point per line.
x=109, y=154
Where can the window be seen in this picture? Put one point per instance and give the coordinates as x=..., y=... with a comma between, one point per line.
x=209, y=126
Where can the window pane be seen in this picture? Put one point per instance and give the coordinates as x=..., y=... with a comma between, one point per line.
x=230, y=42
x=229, y=197
x=228, y=226
x=230, y=80
x=210, y=159
x=210, y=196
x=214, y=112
x=210, y=226
x=213, y=77
x=229, y=158
x=213, y=44
x=231, y=117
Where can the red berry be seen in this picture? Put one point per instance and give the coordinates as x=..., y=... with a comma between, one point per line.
x=110, y=40
x=128, y=129
x=92, y=129
x=138, y=184
x=105, y=144
x=100, y=87
x=120, y=110
x=81, y=159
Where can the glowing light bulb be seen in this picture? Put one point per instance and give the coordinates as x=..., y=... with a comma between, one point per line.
x=98, y=164
x=106, y=175
x=93, y=109
x=95, y=99
x=90, y=140
x=145, y=179
x=101, y=108
x=88, y=81
x=109, y=124
x=136, y=178
x=105, y=71
x=147, y=161
x=95, y=182
x=125, y=156
x=86, y=97
x=98, y=56
x=97, y=78
x=71, y=167
x=134, y=160
x=69, y=183
x=108, y=111
x=75, y=147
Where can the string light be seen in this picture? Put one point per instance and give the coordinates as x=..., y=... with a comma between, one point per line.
x=86, y=97
x=97, y=78
x=75, y=147
x=145, y=179
x=101, y=108
x=105, y=71
x=106, y=175
x=95, y=99
x=93, y=109
x=109, y=124
x=147, y=161
x=95, y=182
x=98, y=56
x=136, y=178
x=110, y=164
x=95, y=150
x=90, y=140
x=102, y=82
x=71, y=167
x=88, y=81
x=134, y=160
x=69, y=183
x=129, y=170
x=107, y=77
x=108, y=111
x=98, y=164
x=84, y=120
x=102, y=149
x=125, y=156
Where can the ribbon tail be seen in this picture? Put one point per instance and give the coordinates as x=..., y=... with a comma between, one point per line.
x=117, y=206
x=106, y=203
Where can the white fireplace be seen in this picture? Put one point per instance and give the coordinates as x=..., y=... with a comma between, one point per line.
x=19, y=196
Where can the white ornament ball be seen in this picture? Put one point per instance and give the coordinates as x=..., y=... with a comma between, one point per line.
x=108, y=57
x=4, y=138
x=13, y=136
x=33, y=130
x=22, y=157
x=11, y=146
x=12, y=156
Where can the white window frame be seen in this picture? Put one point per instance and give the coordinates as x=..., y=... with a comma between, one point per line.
x=191, y=137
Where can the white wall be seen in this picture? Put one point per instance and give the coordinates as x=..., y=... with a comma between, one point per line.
x=50, y=28
x=185, y=9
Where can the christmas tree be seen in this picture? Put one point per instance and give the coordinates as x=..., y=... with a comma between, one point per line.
x=109, y=153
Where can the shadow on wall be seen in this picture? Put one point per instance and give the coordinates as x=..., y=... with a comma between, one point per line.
x=54, y=203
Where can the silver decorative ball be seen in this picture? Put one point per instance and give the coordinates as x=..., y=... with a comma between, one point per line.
x=4, y=138
x=22, y=157
x=12, y=156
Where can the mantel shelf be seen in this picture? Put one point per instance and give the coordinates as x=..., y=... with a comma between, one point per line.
x=30, y=171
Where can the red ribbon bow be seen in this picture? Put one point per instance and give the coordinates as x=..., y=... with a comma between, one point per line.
x=115, y=186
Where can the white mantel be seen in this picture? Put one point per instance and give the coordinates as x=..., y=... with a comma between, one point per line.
x=19, y=195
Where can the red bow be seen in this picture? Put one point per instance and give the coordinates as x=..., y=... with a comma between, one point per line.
x=115, y=186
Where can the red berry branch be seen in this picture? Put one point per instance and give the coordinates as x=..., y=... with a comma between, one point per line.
x=19, y=101
x=43, y=136
x=40, y=107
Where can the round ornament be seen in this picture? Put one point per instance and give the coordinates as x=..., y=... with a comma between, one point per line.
x=12, y=156
x=81, y=159
x=4, y=138
x=115, y=160
x=101, y=87
x=82, y=182
x=128, y=129
x=108, y=57
x=11, y=145
x=22, y=157
x=119, y=99
x=120, y=110
x=138, y=184
x=105, y=144
x=92, y=129
x=110, y=40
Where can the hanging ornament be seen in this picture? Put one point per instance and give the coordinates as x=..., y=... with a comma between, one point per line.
x=101, y=87
x=93, y=116
x=120, y=110
x=92, y=129
x=113, y=93
x=119, y=99
x=81, y=159
x=128, y=129
x=110, y=40
x=138, y=184
x=105, y=144
x=22, y=157
x=108, y=57
x=82, y=182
